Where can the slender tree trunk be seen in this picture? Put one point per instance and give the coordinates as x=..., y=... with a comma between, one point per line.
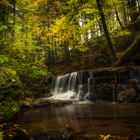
x=23, y=27
x=105, y=29
x=5, y=22
x=124, y=11
x=66, y=52
x=138, y=5
x=48, y=60
x=14, y=20
x=118, y=19
x=133, y=9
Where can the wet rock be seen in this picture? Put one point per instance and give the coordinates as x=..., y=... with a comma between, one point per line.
x=65, y=133
x=137, y=98
x=42, y=136
x=103, y=92
x=61, y=134
x=127, y=95
x=81, y=93
x=42, y=102
x=14, y=132
x=134, y=83
x=20, y=135
x=89, y=96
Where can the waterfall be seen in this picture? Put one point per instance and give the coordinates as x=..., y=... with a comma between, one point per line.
x=60, y=84
x=104, y=85
x=90, y=86
x=114, y=88
x=80, y=86
x=71, y=87
x=90, y=81
x=72, y=81
x=65, y=87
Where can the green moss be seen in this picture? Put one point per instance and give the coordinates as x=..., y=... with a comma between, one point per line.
x=8, y=108
x=38, y=72
x=10, y=84
x=10, y=91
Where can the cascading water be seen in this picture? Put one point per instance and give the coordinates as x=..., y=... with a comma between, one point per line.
x=90, y=86
x=104, y=85
x=71, y=86
x=77, y=86
x=80, y=86
x=65, y=87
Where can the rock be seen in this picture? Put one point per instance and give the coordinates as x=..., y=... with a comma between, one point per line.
x=20, y=135
x=14, y=132
x=128, y=95
x=134, y=83
x=61, y=134
x=42, y=102
x=137, y=98
x=81, y=93
x=42, y=136
x=65, y=133
x=103, y=92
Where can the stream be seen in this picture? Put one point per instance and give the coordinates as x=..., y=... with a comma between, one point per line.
x=85, y=119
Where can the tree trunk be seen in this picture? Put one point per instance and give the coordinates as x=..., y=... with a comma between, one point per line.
x=118, y=19
x=66, y=52
x=105, y=29
x=133, y=10
x=131, y=51
x=125, y=13
x=14, y=20
x=138, y=5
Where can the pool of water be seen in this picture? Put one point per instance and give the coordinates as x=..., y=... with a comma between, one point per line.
x=86, y=119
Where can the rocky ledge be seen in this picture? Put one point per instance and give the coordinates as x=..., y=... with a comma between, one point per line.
x=30, y=103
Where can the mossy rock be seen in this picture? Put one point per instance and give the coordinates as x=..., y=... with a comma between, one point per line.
x=10, y=84
x=8, y=108
x=10, y=91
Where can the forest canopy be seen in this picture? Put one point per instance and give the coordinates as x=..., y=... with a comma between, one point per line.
x=46, y=32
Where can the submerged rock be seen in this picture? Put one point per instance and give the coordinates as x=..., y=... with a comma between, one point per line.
x=61, y=134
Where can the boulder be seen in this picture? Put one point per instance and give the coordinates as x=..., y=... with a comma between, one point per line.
x=127, y=95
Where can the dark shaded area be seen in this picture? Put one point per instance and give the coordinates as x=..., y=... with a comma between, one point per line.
x=131, y=55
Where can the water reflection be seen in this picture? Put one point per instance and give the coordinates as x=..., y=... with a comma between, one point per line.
x=96, y=118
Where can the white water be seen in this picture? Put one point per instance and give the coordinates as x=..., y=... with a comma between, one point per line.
x=70, y=87
x=65, y=87
x=90, y=86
